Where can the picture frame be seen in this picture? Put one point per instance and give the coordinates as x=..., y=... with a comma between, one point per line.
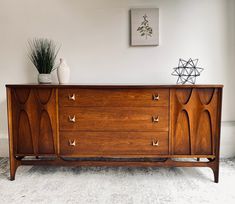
x=144, y=27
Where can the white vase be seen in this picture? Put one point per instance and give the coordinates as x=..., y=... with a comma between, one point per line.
x=63, y=72
x=44, y=78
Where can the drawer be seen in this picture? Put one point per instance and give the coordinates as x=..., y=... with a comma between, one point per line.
x=114, y=118
x=113, y=97
x=90, y=144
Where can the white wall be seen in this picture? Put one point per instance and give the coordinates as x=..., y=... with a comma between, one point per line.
x=94, y=35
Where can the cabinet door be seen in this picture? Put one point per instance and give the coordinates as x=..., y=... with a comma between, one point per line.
x=34, y=121
x=194, y=120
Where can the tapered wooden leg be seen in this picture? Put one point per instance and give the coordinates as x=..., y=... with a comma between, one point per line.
x=13, y=167
x=215, y=169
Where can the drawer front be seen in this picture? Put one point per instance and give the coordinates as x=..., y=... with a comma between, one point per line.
x=113, y=143
x=114, y=119
x=113, y=97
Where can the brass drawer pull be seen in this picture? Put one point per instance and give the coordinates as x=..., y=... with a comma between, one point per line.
x=72, y=119
x=156, y=97
x=155, y=143
x=72, y=143
x=155, y=119
x=72, y=97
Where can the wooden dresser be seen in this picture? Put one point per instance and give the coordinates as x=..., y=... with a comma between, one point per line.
x=90, y=125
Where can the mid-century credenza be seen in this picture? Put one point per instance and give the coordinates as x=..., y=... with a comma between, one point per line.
x=114, y=125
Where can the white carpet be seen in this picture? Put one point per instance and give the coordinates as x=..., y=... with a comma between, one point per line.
x=117, y=185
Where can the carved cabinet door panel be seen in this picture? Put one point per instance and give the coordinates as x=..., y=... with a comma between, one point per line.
x=194, y=120
x=34, y=121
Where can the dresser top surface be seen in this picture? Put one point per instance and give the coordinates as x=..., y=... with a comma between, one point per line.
x=113, y=86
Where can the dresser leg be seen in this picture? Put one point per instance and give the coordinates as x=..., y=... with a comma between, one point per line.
x=215, y=169
x=13, y=167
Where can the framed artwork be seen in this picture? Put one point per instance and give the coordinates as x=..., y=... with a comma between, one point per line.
x=145, y=27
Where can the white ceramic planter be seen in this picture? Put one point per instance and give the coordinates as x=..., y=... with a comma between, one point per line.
x=44, y=79
x=63, y=72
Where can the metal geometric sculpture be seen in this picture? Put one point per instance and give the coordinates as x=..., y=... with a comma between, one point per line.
x=187, y=71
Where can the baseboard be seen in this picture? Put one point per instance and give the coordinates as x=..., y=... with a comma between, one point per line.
x=227, y=144
x=227, y=149
x=4, y=147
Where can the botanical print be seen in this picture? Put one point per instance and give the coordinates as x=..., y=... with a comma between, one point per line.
x=145, y=30
x=144, y=27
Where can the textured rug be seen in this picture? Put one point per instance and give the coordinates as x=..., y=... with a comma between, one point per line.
x=117, y=185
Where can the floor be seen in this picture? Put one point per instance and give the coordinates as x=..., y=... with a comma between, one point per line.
x=117, y=185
